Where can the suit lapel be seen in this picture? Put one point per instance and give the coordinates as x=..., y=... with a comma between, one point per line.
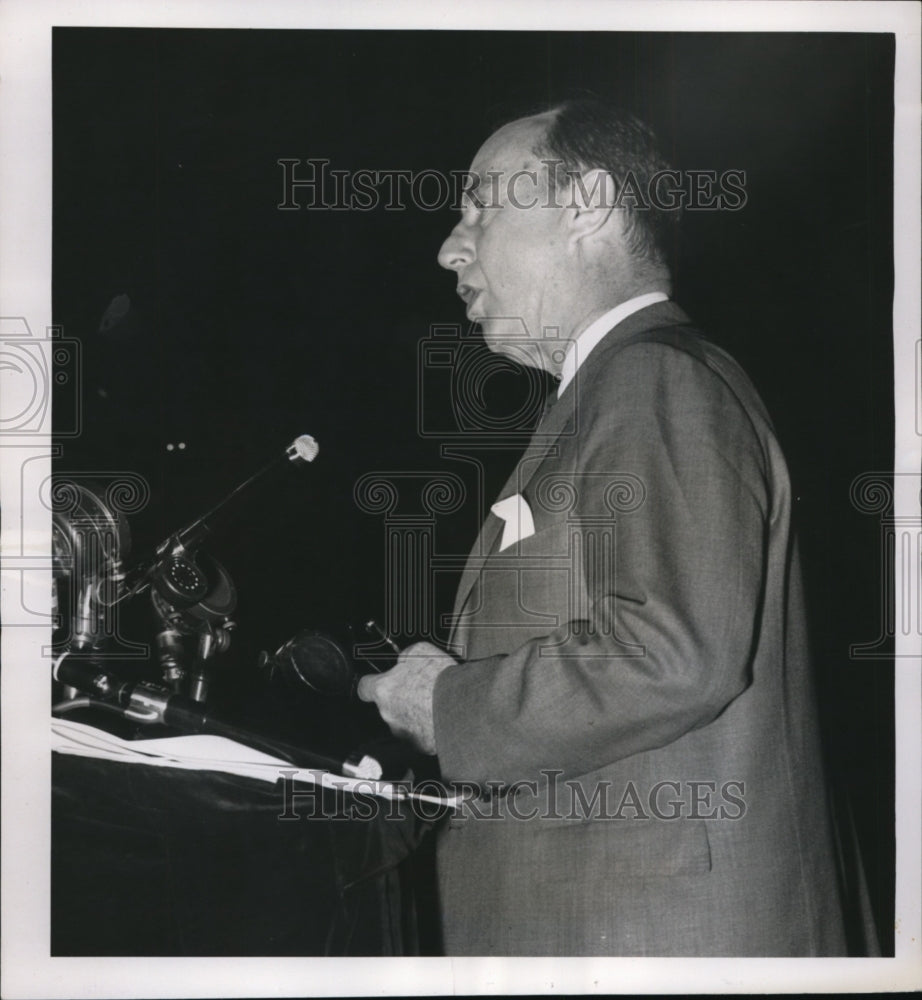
x=478, y=556
x=636, y=327
x=548, y=431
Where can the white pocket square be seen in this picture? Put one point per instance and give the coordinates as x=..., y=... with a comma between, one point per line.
x=516, y=514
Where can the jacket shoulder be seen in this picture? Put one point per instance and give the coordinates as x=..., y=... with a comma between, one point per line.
x=659, y=361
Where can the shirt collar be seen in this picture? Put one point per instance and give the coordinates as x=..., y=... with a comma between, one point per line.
x=580, y=348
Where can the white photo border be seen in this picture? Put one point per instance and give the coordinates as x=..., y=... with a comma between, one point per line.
x=25, y=268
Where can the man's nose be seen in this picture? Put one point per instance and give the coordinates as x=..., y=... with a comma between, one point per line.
x=458, y=250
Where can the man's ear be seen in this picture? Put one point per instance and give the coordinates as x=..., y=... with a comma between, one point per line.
x=592, y=200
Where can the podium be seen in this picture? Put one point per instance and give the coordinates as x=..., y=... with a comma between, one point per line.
x=158, y=861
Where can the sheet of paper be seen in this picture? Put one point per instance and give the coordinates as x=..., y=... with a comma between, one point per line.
x=203, y=752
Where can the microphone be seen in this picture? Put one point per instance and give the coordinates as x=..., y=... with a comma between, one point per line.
x=303, y=450
x=313, y=661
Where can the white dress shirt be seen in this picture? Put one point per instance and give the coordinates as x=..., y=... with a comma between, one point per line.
x=580, y=349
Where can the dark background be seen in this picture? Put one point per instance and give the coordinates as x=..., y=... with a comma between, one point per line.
x=248, y=325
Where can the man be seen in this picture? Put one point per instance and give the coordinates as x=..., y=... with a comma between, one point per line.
x=632, y=693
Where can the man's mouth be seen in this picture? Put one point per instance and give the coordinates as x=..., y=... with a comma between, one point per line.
x=469, y=295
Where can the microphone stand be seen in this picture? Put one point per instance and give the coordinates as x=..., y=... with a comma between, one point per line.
x=302, y=450
x=149, y=704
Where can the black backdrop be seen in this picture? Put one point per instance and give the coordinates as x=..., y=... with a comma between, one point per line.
x=248, y=325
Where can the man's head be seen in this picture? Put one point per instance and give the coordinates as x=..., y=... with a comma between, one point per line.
x=545, y=244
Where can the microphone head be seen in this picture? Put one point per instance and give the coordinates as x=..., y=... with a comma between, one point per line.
x=303, y=449
x=313, y=661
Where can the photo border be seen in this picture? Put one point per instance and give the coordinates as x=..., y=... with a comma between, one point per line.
x=25, y=267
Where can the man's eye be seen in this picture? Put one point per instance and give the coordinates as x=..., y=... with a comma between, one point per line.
x=470, y=213
x=488, y=213
x=477, y=211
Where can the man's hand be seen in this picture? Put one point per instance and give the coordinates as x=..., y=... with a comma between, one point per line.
x=404, y=694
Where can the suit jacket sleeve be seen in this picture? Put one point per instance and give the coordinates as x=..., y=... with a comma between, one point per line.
x=670, y=633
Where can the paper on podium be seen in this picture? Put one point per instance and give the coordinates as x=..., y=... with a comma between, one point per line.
x=203, y=752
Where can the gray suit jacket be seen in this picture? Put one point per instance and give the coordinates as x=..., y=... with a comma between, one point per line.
x=635, y=694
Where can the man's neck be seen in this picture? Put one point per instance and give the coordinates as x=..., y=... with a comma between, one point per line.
x=605, y=303
x=582, y=346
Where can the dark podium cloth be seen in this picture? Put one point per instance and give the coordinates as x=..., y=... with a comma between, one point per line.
x=163, y=861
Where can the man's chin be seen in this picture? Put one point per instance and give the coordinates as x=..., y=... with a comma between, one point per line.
x=520, y=350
